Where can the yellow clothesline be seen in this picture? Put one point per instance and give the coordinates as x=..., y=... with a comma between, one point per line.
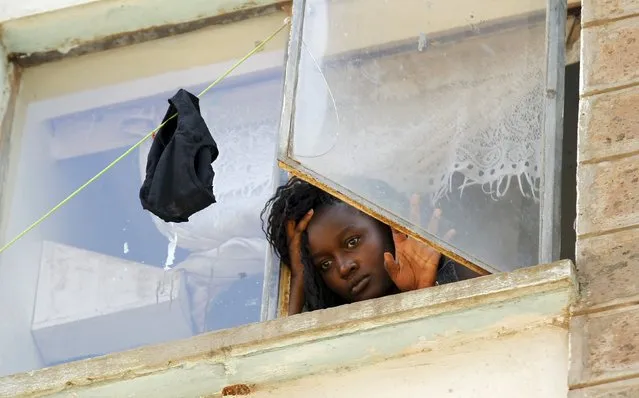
x=137, y=144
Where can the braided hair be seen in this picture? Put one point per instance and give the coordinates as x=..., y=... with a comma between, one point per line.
x=292, y=201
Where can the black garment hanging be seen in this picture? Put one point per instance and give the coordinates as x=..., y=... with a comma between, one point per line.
x=179, y=175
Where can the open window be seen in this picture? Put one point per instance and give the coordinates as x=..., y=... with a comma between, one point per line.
x=460, y=102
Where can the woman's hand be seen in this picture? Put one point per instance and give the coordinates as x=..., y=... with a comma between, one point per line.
x=294, y=233
x=415, y=265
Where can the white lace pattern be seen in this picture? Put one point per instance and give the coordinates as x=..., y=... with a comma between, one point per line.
x=473, y=108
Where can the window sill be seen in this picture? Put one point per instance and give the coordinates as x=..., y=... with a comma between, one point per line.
x=494, y=306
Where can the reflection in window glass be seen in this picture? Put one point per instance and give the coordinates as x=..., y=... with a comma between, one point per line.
x=91, y=279
x=443, y=99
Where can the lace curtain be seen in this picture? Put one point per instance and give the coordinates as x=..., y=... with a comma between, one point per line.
x=471, y=107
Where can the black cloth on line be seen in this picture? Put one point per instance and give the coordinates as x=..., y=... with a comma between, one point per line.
x=179, y=174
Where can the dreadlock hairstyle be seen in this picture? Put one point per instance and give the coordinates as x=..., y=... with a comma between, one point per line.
x=292, y=202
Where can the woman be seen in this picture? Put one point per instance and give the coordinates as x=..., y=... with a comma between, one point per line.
x=339, y=255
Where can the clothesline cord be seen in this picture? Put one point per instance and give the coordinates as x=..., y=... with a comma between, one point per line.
x=141, y=141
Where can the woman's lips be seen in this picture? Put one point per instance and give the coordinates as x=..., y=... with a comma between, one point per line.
x=360, y=286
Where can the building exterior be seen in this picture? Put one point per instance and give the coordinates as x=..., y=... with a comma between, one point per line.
x=551, y=330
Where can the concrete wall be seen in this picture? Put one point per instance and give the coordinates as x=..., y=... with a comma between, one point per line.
x=530, y=364
x=605, y=332
x=40, y=31
x=18, y=9
x=8, y=92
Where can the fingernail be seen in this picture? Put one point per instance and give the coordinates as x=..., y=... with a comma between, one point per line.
x=310, y=211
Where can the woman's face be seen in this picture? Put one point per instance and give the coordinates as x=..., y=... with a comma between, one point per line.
x=347, y=248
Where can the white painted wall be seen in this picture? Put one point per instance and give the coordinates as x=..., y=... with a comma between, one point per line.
x=59, y=27
x=12, y=9
x=530, y=364
x=5, y=88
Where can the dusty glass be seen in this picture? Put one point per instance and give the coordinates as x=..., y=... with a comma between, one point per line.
x=100, y=276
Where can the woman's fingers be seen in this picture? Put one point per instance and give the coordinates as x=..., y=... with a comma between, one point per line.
x=449, y=235
x=392, y=267
x=398, y=237
x=293, y=229
x=294, y=233
x=290, y=230
x=303, y=224
x=415, y=213
x=433, y=225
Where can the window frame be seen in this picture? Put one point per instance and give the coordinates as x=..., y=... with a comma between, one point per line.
x=550, y=192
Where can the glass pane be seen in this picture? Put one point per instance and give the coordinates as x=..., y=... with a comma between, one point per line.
x=91, y=279
x=440, y=99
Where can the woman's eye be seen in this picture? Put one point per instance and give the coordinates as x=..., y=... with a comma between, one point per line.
x=352, y=243
x=324, y=266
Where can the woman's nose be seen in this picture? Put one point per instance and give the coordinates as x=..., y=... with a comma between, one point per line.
x=347, y=266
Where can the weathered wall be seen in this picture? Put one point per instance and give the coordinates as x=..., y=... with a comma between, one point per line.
x=5, y=86
x=485, y=337
x=605, y=334
x=10, y=9
x=535, y=359
x=8, y=90
x=43, y=30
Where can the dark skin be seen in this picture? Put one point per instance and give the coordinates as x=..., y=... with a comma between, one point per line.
x=351, y=252
x=347, y=248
